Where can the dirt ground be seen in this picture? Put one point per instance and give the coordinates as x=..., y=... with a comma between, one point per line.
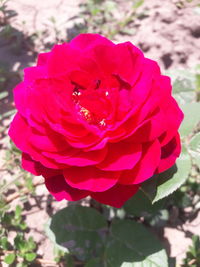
x=166, y=31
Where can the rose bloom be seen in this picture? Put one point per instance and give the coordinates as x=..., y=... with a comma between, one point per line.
x=95, y=119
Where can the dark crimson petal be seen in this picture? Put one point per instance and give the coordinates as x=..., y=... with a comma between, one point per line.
x=59, y=188
x=30, y=165
x=121, y=156
x=117, y=195
x=90, y=178
x=146, y=167
x=169, y=153
x=36, y=168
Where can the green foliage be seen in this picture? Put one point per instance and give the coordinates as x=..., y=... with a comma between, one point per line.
x=165, y=183
x=193, y=255
x=99, y=16
x=191, y=119
x=61, y=256
x=84, y=230
x=194, y=148
x=10, y=258
x=97, y=262
x=22, y=248
x=130, y=244
x=141, y=205
x=86, y=234
x=14, y=219
x=185, y=84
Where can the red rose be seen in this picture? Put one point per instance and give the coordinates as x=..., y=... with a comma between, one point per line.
x=95, y=118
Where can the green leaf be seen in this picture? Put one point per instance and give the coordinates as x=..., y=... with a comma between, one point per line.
x=80, y=229
x=138, y=3
x=183, y=83
x=131, y=245
x=22, y=264
x=69, y=260
x=160, y=218
x=191, y=118
x=29, y=184
x=4, y=244
x=18, y=211
x=94, y=262
x=198, y=82
x=20, y=243
x=22, y=226
x=194, y=147
x=30, y=256
x=109, y=6
x=31, y=245
x=165, y=183
x=141, y=205
x=10, y=258
x=195, y=143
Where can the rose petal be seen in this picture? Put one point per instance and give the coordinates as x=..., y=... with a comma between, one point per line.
x=51, y=142
x=79, y=158
x=169, y=153
x=20, y=127
x=30, y=165
x=173, y=117
x=90, y=178
x=117, y=195
x=88, y=40
x=59, y=188
x=36, y=168
x=150, y=129
x=43, y=58
x=63, y=59
x=146, y=166
x=121, y=156
x=34, y=73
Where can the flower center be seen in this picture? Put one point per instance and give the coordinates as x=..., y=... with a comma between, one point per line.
x=92, y=105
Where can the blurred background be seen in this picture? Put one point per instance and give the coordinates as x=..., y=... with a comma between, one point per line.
x=166, y=31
